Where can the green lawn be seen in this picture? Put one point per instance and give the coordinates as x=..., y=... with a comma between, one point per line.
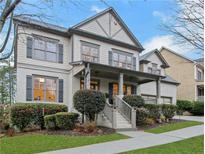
x=27, y=144
x=173, y=126
x=193, y=145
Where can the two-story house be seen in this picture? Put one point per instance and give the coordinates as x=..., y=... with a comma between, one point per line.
x=188, y=72
x=100, y=53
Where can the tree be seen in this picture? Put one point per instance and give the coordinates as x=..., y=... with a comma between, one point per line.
x=7, y=82
x=13, y=8
x=187, y=23
x=89, y=103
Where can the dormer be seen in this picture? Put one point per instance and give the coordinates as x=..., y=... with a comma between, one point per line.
x=153, y=62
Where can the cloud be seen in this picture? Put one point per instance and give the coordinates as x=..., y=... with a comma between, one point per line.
x=164, y=18
x=168, y=41
x=96, y=9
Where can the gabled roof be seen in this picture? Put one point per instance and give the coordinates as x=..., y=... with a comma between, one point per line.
x=144, y=58
x=199, y=60
x=175, y=53
x=37, y=24
x=40, y=24
x=114, y=13
x=170, y=80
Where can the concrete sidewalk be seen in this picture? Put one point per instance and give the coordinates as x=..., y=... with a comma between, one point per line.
x=191, y=118
x=140, y=140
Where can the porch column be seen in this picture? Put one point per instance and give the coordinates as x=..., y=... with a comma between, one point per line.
x=158, y=90
x=87, y=77
x=121, y=84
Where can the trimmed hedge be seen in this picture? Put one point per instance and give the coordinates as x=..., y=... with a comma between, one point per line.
x=24, y=114
x=154, y=110
x=198, y=108
x=65, y=120
x=134, y=100
x=61, y=120
x=89, y=103
x=168, y=110
x=141, y=115
x=50, y=121
x=184, y=105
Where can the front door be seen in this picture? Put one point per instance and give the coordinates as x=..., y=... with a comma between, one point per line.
x=114, y=89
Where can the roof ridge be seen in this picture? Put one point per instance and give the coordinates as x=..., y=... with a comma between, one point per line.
x=178, y=54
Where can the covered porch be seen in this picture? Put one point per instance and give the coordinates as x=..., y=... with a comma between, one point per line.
x=113, y=80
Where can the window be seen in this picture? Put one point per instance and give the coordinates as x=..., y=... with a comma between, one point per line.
x=44, y=89
x=94, y=84
x=199, y=75
x=149, y=70
x=89, y=52
x=149, y=99
x=200, y=91
x=122, y=59
x=167, y=100
x=154, y=69
x=45, y=49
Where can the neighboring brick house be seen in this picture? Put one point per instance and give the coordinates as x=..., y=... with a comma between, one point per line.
x=189, y=73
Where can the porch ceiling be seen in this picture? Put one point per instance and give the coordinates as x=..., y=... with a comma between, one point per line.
x=110, y=72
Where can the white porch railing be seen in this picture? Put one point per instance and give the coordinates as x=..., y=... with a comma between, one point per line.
x=128, y=112
x=108, y=111
x=124, y=108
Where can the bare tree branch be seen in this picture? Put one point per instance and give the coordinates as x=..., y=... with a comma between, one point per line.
x=187, y=24
x=9, y=7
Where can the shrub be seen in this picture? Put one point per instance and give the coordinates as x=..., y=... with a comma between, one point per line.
x=154, y=111
x=150, y=121
x=168, y=110
x=65, y=120
x=162, y=118
x=141, y=115
x=89, y=103
x=4, y=117
x=184, y=105
x=90, y=127
x=198, y=108
x=25, y=114
x=50, y=121
x=134, y=100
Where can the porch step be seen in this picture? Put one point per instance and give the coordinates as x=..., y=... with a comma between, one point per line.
x=122, y=123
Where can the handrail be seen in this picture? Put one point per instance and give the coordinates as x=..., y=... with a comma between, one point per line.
x=124, y=108
x=108, y=111
x=109, y=104
x=125, y=102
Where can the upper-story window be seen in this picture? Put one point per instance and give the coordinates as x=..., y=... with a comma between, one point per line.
x=90, y=52
x=122, y=59
x=154, y=69
x=46, y=49
x=199, y=75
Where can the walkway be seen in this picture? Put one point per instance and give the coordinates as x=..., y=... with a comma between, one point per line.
x=140, y=140
x=191, y=118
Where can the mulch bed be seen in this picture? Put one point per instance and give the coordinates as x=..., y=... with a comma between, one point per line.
x=145, y=127
x=99, y=131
